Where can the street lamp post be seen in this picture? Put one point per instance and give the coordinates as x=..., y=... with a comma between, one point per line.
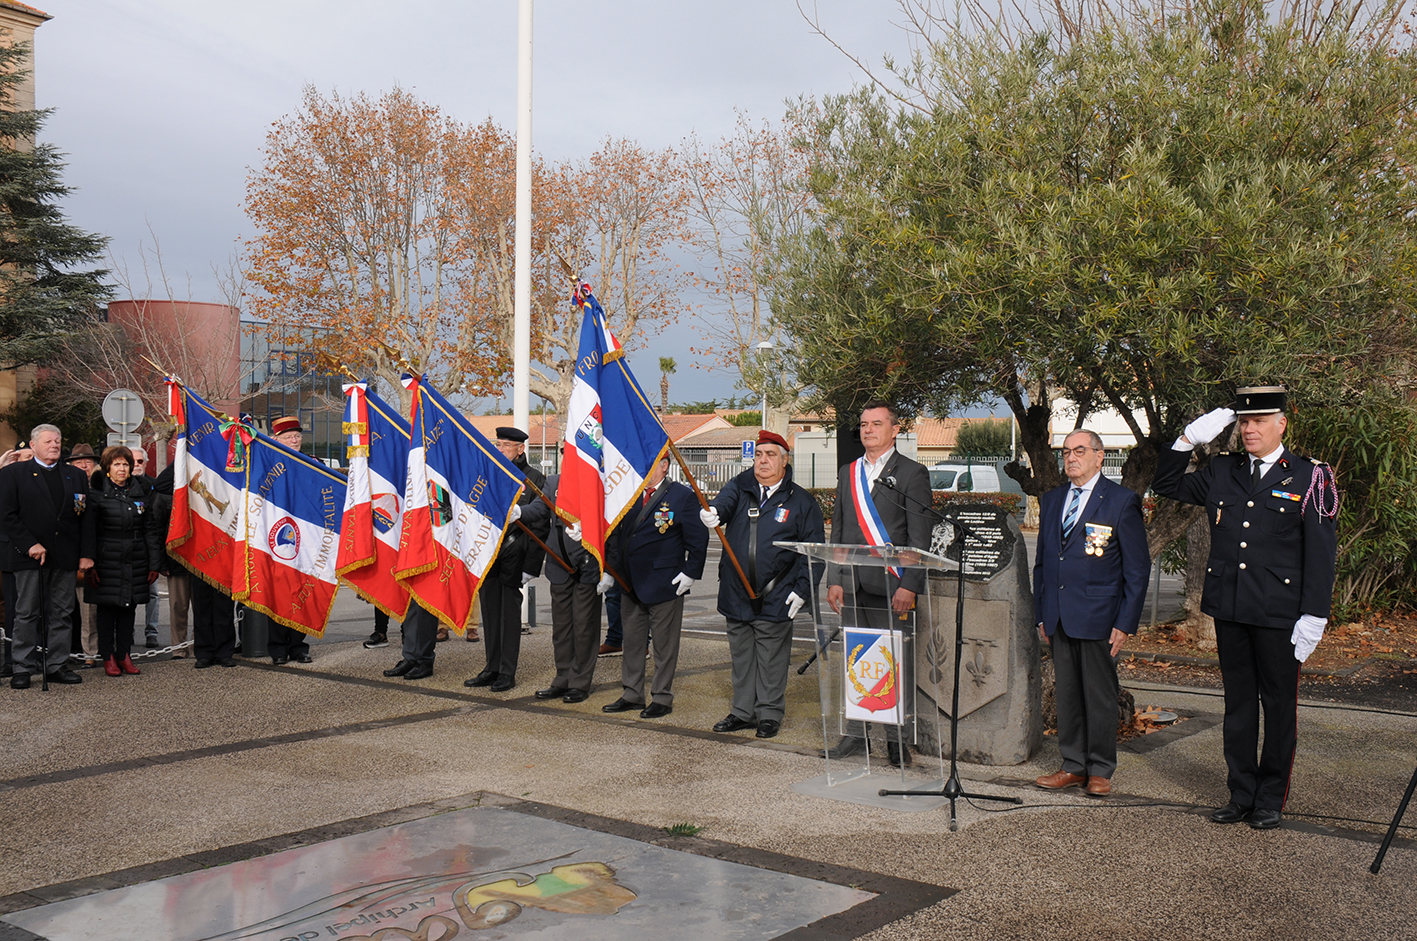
x=765, y=345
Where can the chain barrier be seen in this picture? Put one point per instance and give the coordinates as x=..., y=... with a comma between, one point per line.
x=146, y=654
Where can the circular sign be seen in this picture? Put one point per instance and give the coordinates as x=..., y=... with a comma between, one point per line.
x=284, y=539
x=123, y=410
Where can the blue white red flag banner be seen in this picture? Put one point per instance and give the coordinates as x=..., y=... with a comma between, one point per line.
x=208, y=528
x=873, y=681
x=613, y=436
x=294, y=505
x=377, y=451
x=459, y=494
x=867, y=516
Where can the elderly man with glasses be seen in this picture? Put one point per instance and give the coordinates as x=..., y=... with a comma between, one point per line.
x=1089, y=580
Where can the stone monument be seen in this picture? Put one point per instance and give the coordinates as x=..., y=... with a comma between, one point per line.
x=999, y=688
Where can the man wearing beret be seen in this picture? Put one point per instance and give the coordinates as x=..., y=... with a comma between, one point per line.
x=285, y=644
x=518, y=562
x=759, y=507
x=1268, y=584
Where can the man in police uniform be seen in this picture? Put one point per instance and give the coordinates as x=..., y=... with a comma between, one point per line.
x=1268, y=584
x=518, y=562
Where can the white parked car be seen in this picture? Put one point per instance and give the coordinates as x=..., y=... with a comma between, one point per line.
x=964, y=478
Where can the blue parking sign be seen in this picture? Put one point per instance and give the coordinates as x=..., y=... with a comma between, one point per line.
x=748, y=448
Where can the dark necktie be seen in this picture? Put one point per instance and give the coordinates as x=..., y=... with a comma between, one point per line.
x=764, y=497
x=1255, y=474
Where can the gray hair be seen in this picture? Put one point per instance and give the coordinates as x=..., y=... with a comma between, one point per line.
x=1093, y=438
x=38, y=428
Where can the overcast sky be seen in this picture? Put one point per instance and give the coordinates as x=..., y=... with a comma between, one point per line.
x=162, y=105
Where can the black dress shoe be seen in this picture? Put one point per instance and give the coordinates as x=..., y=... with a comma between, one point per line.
x=732, y=723
x=1230, y=813
x=503, y=683
x=65, y=677
x=485, y=678
x=280, y=661
x=201, y=663
x=768, y=728
x=400, y=668
x=303, y=658
x=898, y=754
x=848, y=745
x=20, y=681
x=227, y=661
x=575, y=695
x=620, y=705
x=420, y=672
x=1265, y=818
x=550, y=692
x=656, y=710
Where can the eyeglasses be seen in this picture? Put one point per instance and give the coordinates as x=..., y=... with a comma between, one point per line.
x=1079, y=451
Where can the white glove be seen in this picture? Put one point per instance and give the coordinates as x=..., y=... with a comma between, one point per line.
x=573, y=532
x=526, y=579
x=794, y=604
x=602, y=586
x=1308, y=630
x=1204, y=429
x=515, y=515
x=710, y=518
x=682, y=584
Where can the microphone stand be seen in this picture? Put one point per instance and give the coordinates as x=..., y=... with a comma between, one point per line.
x=953, y=790
x=1396, y=821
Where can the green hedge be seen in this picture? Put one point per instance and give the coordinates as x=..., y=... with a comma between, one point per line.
x=1011, y=502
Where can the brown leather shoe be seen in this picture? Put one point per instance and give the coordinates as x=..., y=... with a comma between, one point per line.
x=1061, y=779
x=1098, y=787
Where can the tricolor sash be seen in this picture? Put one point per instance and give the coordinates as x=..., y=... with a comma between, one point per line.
x=867, y=516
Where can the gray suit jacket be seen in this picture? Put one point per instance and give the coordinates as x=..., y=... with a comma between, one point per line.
x=902, y=511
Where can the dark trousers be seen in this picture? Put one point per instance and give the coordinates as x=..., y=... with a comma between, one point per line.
x=213, y=623
x=42, y=597
x=614, y=629
x=501, y=625
x=760, y=651
x=8, y=581
x=575, y=633
x=1085, y=691
x=115, y=630
x=1258, y=668
x=420, y=634
x=282, y=641
x=381, y=622
x=647, y=624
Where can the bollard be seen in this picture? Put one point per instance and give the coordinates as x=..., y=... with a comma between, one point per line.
x=255, y=633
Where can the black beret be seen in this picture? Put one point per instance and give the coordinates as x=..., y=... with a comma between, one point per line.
x=511, y=434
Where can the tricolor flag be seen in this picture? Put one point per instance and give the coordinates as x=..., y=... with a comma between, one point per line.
x=294, y=505
x=457, y=500
x=207, y=533
x=373, y=508
x=873, y=675
x=613, y=436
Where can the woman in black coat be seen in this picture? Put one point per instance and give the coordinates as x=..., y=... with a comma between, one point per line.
x=127, y=559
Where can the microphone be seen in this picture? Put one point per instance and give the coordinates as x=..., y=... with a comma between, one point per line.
x=890, y=483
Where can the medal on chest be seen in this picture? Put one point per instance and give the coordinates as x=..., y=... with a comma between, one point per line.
x=663, y=518
x=1097, y=538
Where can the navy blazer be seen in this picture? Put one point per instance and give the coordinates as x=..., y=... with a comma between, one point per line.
x=669, y=539
x=904, y=512
x=1090, y=595
x=28, y=516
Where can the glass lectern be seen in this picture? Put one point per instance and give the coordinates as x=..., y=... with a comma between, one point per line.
x=865, y=656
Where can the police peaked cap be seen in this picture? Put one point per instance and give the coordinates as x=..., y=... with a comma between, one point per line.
x=286, y=423
x=1260, y=400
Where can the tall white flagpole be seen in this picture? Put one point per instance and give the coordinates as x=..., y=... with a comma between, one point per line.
x=521, y=324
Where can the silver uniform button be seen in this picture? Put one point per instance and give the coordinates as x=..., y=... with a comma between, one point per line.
x=1242, y=565
x=1246, y=524
x=1286, y=581
x=1244, y=545
x=1251, y=503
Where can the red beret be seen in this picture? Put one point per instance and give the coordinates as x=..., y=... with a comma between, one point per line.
x=286, y=423
x=769, y=437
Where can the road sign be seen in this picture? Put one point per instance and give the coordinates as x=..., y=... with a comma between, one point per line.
x=748, y=449
x=123, y=411
x=118, y=439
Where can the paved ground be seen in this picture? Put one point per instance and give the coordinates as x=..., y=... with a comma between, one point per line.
x=177, y=765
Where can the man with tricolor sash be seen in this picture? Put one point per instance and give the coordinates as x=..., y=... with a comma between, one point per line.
x=882, y=499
